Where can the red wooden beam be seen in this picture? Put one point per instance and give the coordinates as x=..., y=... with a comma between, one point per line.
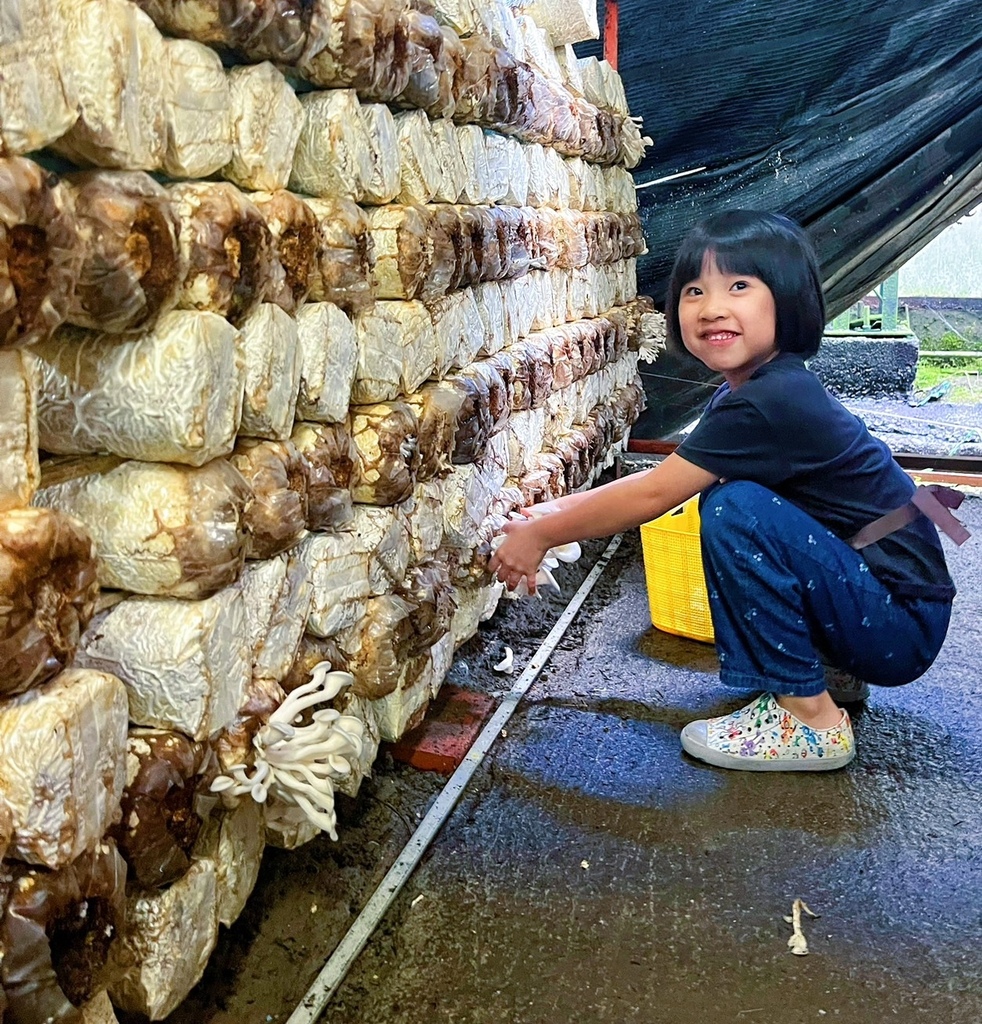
x=611, y=18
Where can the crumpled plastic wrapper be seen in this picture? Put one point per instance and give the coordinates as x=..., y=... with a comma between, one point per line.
x=233, y=745
x=459, y=329
x=48, y=590
x=159, y=529
x=277, y=595
x=533, y=379
x=343, y=273
x=56, y=934
x=500, y=391
x=475, y=604
x=227, y=248
x=159, y=824
x=37, y=101
x=622, y=196
x=380, y=648
x=430, y=86
x=294, y=232
x=367, y=559
x=385, y=181
x=185, y=664
x=526, y=435
x=403, y=250
x=442, y=409
x=387, y=445
x=489, y=300
x=516, y=234
x=421, y=172
x=397, y=351
x=63, y=773
x=132, y=267
x=328, y=359
x=497, y=150
x=266, y=120
x=40, y=254
x=99, y=1010
x=197, y=110
x=469, y=491
x=119, y=75
x=443, y=133
x=330, y=455
x=165, y=942
x=233, y=840
x=367, y=50
x=276, y=472
x=270, y=348
x=312, y=651
x=474, y=186
x=425, y=516
x=349, y=703
x=19, y=469
x=334, y=157
x=173, y=394
x=277, y=30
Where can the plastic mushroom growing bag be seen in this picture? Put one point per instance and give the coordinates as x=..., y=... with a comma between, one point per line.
x=119, y=73
x=159, y=823
x=48, y=590
x=277, y=474
x=165, y=942
x=294, y=232
x=397, y=351
x=345, y=255
x=330, y=455
x=334, y=157
x=380, y=129
x=270, y=350
x=56, y=931
x=64, y=764
x=197, y=111
x=132, y=268
x=277, y=595
x=37, y=100
x=227, y=249
x=40, y=255
x=173, y=394
x=185, y=664
x=266, y=122
x=387, y=443
x=19, y=468
x=328, y=361
x=159, y=528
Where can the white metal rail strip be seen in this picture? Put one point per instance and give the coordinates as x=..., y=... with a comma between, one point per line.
x=332, y=973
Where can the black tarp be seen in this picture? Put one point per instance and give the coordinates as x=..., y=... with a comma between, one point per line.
x=862, y=120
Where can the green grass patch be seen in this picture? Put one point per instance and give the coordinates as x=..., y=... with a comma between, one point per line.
x=965, y=376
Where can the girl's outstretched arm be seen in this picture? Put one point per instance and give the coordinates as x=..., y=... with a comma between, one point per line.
x=600, y=512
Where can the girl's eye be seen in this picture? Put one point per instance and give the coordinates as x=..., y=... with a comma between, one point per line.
x=740, y=285
x=692, y=290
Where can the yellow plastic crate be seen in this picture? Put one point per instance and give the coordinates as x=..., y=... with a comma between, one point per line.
x=673, y=570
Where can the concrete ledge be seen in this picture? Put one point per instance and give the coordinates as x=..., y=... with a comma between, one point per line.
x=852, y=366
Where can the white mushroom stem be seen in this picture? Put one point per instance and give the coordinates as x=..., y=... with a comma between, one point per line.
x=798, y=944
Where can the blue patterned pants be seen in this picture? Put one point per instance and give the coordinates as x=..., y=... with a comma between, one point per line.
x=786, y=595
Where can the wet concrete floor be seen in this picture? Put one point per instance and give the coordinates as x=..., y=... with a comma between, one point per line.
x=593, y=873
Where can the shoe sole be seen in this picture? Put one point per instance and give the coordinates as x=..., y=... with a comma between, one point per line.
x=719, y=759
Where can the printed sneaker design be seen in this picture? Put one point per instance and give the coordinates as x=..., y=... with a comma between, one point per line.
x=764, y=737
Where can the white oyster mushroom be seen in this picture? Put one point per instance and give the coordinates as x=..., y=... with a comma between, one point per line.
x=297, y=764
x=544, y=577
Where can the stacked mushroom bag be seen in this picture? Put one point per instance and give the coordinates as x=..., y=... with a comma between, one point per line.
x=277, y=365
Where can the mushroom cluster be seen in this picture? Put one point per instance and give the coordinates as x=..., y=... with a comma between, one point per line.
x=544, y=577
x=296, y=764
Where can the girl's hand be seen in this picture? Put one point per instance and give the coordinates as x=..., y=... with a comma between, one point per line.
x=519, y=555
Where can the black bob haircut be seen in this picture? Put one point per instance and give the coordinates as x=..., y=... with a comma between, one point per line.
x=764, y=245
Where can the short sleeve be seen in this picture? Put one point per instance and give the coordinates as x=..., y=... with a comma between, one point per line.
x=735, y=441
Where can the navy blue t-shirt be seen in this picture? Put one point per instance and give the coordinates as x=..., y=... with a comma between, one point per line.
x=783, y=430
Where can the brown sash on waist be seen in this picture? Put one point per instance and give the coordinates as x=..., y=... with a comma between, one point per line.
x=933, y=501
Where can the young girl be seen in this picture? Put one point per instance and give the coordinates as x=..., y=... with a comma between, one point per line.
x=788, y=478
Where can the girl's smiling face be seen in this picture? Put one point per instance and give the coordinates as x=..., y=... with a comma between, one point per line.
x=728, y=321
